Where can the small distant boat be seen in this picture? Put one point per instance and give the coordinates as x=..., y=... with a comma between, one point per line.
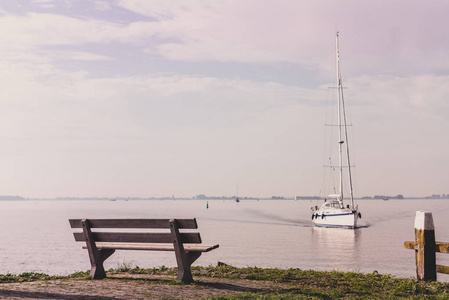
x=237, y=194
x=385, y=199
x=333, y=212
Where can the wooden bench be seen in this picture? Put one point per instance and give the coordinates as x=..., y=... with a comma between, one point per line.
x=102, y=244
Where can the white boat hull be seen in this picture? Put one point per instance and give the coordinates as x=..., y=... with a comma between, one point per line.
x=345, y=219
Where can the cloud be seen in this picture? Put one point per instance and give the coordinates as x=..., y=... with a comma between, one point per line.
x=259, y=32
x=102, y=5
x=202, y=107
x=424, y=94
x=44, y=3
x=225, y=31
x=74, y=55
x=55, y=101
x=34, y=30
x=302, y=32
x=160, y=128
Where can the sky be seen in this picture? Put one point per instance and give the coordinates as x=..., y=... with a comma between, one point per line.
x=141, y=98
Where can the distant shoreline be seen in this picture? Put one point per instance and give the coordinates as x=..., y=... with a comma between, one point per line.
x=305, y=198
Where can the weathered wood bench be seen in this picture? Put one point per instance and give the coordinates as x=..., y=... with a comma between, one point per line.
x=102, y=244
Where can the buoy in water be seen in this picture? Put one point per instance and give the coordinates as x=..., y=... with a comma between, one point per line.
x=207, y=204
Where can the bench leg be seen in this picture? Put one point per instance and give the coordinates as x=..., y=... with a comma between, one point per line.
x=96, y=256
x=184, y=271
x=183, y=258
x=96, y=261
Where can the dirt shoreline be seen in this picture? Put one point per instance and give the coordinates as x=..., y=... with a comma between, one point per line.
x=222, y=282
x=131, y=286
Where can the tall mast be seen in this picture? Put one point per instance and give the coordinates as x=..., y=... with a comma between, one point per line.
x=340, y=140
x=342, y=123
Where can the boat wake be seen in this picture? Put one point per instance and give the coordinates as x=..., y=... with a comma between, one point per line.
x=271, y=218
x=390, y=217
x=367, y=225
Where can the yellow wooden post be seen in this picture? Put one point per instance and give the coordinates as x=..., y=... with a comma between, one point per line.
x=425, y=246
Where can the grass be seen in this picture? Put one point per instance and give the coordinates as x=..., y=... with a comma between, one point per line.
x=299, y=284
x=282, y=283
x=23, y=277
x=34, y=276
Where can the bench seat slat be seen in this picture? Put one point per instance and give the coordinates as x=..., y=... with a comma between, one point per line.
x=139, y=237
x=135, y=223
x=154, y=247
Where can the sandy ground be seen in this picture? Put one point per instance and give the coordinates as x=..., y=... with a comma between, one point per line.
x=132, y=287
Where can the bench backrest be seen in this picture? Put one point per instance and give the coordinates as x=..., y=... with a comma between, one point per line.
x=136, y=237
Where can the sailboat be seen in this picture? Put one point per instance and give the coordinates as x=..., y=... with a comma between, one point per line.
x=333, y=212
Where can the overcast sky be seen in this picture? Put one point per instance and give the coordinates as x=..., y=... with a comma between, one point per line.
x=160, y=98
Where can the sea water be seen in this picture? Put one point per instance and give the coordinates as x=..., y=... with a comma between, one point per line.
x=36, y=236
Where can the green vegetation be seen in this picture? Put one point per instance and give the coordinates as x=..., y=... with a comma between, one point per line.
x=279, y=283
x=33, y=276
x=299, y=284
x=27, y=276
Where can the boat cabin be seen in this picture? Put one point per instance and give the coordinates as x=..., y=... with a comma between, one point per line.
x=331, y=204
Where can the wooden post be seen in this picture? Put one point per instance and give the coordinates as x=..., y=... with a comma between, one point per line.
x=425, y=246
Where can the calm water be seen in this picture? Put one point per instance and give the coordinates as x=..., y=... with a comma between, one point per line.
x=36, y=235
